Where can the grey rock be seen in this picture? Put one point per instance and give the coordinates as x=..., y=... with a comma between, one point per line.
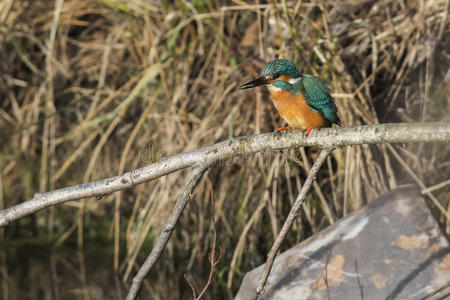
x=391, y=249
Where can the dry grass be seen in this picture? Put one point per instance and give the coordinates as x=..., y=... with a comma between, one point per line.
x=91, y=89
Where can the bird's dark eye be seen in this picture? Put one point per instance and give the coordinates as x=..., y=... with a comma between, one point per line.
x=276, y=75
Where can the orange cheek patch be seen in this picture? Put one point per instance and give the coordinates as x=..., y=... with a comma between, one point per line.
x=284, y=77
x=268, y=80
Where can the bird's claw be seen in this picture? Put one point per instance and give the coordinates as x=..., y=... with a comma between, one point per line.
x=308, y=131
x=284, y=128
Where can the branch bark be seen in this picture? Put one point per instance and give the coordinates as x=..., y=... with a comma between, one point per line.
x=165, y=234
x=324, y=138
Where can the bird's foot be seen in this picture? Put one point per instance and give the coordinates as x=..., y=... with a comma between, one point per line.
x=308, y=131
x=284, y=128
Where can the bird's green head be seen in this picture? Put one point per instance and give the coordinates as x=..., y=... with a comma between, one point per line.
x=279, y=67
x=277, y=73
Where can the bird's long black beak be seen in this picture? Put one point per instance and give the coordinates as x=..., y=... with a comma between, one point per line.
x=254, y=83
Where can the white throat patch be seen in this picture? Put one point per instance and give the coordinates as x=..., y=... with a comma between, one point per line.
x=273, y=88
x=295, y=80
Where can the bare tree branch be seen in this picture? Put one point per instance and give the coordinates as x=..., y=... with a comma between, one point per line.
x=290, y=219
x=166, y=232
x=324, y=138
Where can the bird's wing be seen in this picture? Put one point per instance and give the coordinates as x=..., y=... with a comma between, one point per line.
x=316, y=93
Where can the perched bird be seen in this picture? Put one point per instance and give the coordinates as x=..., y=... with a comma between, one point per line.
x=302, y=100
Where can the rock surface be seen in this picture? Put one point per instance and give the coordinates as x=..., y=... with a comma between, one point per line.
x=391, y=249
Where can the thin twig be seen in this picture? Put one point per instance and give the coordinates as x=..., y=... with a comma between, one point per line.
x=212, y=256
x=191, y=284
x=290, y=219
x=166, y=232
x=435, y=187
x=418, y=181
x=324, y=138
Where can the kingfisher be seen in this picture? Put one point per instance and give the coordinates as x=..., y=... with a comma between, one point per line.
x=302, y=100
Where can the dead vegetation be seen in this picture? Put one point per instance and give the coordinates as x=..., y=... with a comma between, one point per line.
x=91, y=89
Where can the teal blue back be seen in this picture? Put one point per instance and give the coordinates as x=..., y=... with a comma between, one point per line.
x=318, y=96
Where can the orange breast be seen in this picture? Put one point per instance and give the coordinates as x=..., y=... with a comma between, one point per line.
x=296, y=111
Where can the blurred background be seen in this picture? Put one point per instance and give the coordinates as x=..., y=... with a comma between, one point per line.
x=92, y=89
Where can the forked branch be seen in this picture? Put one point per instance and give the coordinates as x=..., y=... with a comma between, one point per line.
x=324, y=138
x=202, y=159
